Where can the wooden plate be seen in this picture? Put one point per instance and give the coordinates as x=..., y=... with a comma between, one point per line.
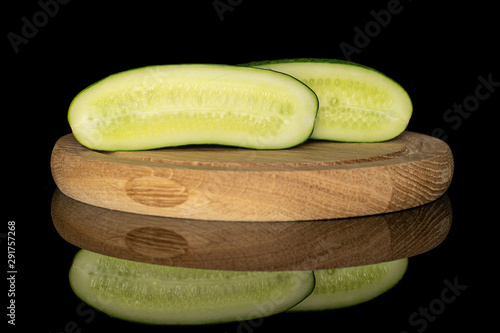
x=271, y=246
x=316, y=180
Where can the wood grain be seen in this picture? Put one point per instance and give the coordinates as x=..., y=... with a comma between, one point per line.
x=270, y=246
x=316, y=180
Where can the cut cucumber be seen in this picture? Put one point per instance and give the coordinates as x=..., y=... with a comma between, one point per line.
x=356, y=103
x=156, y=294
x=173, y=105
x=343, y=287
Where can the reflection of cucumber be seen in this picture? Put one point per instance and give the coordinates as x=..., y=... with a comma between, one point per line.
x=158, y=294
x=338, y=288
x=174, y=105
x=356, y=103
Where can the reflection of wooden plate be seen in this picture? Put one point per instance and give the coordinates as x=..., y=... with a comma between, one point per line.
x=313, y=181
x=252, y=246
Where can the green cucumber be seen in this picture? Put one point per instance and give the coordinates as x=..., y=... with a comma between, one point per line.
x=174, y=105
x=162, y=295
x=343, y=287
x=356, y=103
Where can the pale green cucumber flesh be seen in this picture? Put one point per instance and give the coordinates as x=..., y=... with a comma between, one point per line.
x=356, y=103
x=343, y=287
x=174, y=105
x=162, y=295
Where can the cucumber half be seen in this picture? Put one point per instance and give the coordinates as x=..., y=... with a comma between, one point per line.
x=343, y=287
x=174, y=105
x=156, y=294
x=356, y=103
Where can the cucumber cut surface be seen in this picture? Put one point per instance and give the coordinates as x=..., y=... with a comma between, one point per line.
x=343, y=287
x=175, y=105
x=162, y=295
x=356, y=103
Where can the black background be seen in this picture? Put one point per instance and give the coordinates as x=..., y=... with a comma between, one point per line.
x=436, y=52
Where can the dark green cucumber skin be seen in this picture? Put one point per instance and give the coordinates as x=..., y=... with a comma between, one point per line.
x=308, y=60
x=209, y=143
x=314, y=60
